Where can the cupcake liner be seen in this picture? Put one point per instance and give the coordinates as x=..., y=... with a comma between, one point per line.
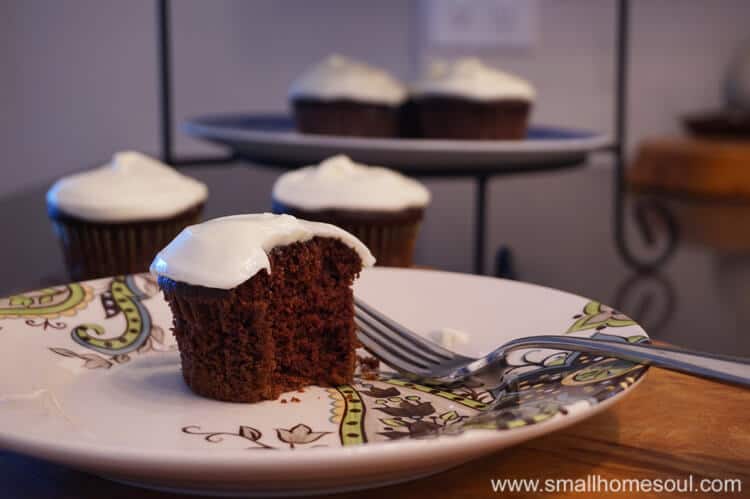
x=462, y=119
x=392, y=245
x=94, y=250
x=344, y=117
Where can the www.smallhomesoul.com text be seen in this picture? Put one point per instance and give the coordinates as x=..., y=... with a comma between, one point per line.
x=597, y=484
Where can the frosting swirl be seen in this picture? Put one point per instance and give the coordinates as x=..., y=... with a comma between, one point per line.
x=471, y=79
x=132, y=187
x=339, y=182
x=338, y=77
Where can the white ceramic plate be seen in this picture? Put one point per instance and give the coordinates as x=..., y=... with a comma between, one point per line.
x=272, y=139
x=89, y=378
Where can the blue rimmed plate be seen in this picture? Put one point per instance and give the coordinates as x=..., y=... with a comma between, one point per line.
x=272, y=139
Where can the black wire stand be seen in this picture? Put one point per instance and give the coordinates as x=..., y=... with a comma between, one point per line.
x=647, y=212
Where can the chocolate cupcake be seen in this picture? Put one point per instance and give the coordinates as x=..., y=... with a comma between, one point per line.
x=113, y=219
x=262, y=304
x=340, y=96
x=381, y=207
x=471, y=101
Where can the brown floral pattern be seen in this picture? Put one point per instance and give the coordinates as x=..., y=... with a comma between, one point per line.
x=244, y=432
x=45, y=323
x=412, y=417
x=299, y=434
x=155, y=342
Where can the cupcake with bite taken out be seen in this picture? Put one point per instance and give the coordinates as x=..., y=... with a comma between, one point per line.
x=469, y=100
x=341, y=96
x=262, y=304
x=379, y=206
x=113, y=219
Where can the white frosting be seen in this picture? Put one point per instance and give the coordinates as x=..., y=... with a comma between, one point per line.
x=338, y=182
x=471, y=79
x=338, y=77
x=132, y=187
x=225, y=252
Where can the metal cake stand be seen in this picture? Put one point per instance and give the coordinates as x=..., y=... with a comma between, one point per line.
x=646, y=213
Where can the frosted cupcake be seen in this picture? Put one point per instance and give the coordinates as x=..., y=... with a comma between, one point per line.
x=341, y=96
x=381, y=207
x=262, y=304
x=469, y=100
x=113, y=219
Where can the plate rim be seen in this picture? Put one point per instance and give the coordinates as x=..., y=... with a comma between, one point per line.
x=226, y=459
x=202, y=128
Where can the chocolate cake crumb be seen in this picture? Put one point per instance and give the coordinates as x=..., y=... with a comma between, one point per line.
x=296, y=400
x=369, y=362
x=368, y=367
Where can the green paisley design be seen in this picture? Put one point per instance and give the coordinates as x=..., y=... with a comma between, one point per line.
x=122, y=296
x=352, y=425
x=598, y=316
x=604, y=370
x=48, y=303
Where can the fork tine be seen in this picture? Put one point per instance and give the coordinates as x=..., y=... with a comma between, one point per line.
x=404, y=333
x=384, y=351
x=383, y=331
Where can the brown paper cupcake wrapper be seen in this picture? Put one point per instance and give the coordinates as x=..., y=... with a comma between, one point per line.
x=94, y=250
x=392, y=245
x=462, y=119
x=345, y=117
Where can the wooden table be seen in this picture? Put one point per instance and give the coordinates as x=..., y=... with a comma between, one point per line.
x=669, y=427
x=714, y=168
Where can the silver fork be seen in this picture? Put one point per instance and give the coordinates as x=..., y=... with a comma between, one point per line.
x=431, y=364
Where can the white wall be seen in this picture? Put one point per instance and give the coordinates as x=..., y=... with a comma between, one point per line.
x=82, y=79
x=78, y=80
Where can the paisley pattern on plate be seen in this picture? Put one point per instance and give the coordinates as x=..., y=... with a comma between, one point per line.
x=97, y=327
x=48, y=303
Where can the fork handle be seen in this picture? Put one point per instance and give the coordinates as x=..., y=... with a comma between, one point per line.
x=723, y=368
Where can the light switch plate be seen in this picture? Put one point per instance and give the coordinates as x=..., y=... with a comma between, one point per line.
x=481, y=23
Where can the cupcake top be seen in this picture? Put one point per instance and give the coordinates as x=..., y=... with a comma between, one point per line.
x=471, y=79
x=225, y=252
x=338, y=77
x=132, y=187
x=340, y=183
